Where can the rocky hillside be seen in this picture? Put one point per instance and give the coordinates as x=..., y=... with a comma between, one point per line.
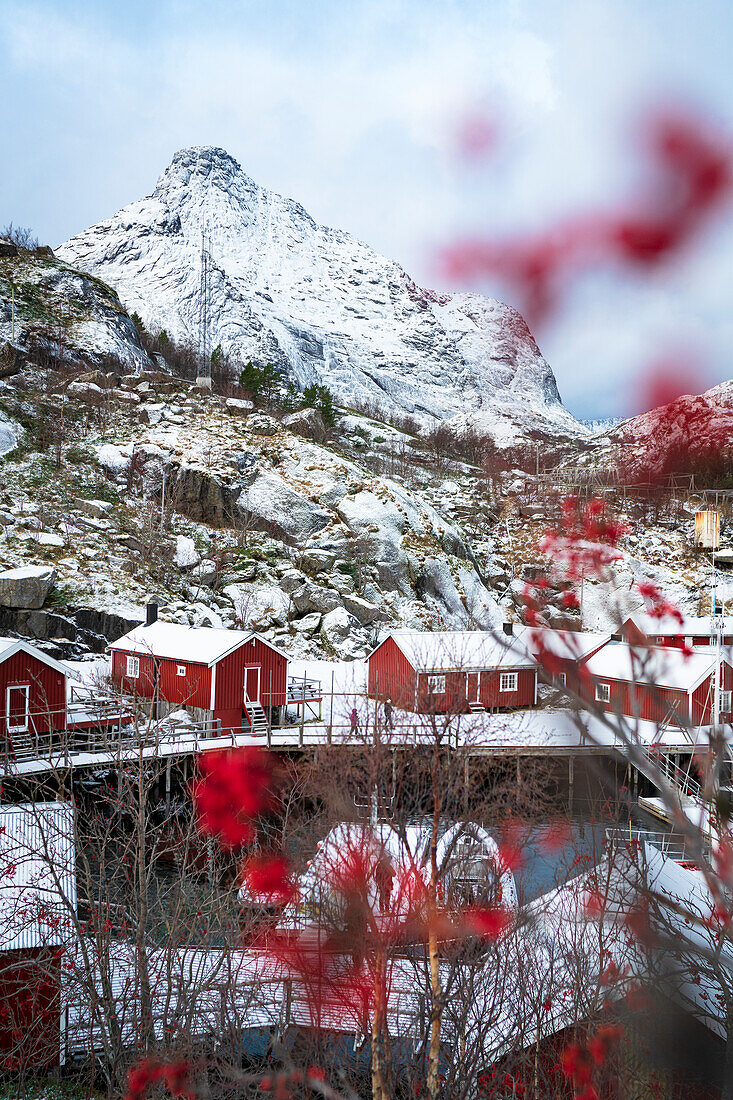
x=231, y=516
x=51, y=313
x=317, y=303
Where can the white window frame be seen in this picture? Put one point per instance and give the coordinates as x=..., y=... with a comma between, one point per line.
x=132, y=668
x=560, y=679
x=436, y=683
x=508, y=681
x=17, y=687
x=603, y=693
x=180, y=670
x=725, y=697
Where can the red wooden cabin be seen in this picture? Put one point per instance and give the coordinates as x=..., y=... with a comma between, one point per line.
x=32, y=692
x=448, y=671
x=37, y=901
x=561, y=654
x=224, y=678
x=659, y=683
x=694, y=630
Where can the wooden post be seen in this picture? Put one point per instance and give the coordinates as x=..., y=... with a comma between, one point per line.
x=571, y=783
x=168, y=785
x=466, y=780
x=330, y=718
x=302, y=714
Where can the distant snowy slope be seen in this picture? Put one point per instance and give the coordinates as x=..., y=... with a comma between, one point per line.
x=695, y=431
x=316, y=302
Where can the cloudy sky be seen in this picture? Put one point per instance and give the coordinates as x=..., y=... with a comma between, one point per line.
x=354, y=106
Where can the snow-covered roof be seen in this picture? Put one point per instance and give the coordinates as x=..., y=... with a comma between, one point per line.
x=459, y=649
x=201, y=645
x=38, y=881
x=11, y=646
x=668, y=625
x=568, y=645
x=661, y=666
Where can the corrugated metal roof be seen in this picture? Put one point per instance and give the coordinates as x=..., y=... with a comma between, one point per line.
x=37, y=874
x=461, y=649
x=204, y=645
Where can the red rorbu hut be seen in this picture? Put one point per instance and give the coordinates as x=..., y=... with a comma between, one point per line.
x=659, y=683
x=450, y=670
x=38, y=899
x=32, y=693
x=226, y=679
x=693, y=631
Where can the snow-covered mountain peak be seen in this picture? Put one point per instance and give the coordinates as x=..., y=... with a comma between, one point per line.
x=318, y=303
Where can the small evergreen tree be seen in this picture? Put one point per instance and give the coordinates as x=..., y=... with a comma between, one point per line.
x=320, y=397
x=259, y=382
x=216, y=355
x=163, y=338
x=137, y=322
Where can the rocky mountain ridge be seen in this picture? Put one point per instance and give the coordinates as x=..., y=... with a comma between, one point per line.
x=316, y=302
x=52, y=313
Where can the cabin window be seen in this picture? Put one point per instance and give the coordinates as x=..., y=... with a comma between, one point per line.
x=436, y=685
x=508, y=681
x=133, y=667
x=725, y=702
x=559, y=680
x=180, y=670
x=603, y=693
x=16, y=707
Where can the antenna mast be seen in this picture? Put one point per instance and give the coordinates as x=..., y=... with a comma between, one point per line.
x=203, y=378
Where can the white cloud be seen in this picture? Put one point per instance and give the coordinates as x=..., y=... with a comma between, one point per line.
x=349, y=107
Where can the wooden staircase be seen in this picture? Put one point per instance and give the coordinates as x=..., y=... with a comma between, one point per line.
x=21, y=745
x=257, y=718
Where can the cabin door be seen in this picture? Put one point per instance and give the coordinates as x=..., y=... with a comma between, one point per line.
x=472, y=687
x=16, y=708
x=252, y=684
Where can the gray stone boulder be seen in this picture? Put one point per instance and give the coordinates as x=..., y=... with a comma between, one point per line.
x=291, y=580
x=26, y=587
x=205, y=572
x=96, y=508
x=342, y=582
x=10, y=434
x=365, y=612
x=86, y=391
x=280, y=509
x=12, y=359
x=186, y=556
x=238, y=406
x=306, y=422
x=338, y=628
x=312, y=597
x=309, y=624
x=317, y=561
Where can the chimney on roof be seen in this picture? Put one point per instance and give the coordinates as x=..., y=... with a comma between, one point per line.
x=509, y=629
x=151, y=612
x=615, y=637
